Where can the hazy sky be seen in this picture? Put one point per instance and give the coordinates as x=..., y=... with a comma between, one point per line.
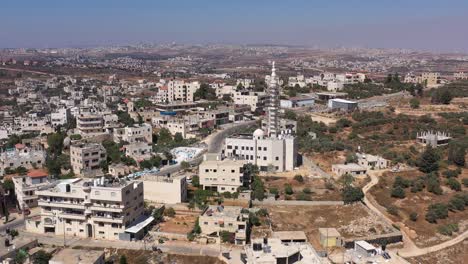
x=438, y=25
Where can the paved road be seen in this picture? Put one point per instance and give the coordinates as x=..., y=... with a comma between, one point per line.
x=24, y=70
x=174, y=247
x=214, y=142
x=409, y=247
x=12, y=225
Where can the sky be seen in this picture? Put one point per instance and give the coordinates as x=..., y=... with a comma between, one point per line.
x=434, y=25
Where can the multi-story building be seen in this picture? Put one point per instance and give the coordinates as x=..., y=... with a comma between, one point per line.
x=90, y=124
x=163, y=189
x=26, y=187
x=85, y=159
x=460, y=76
x=22, y=156
x=60, y=117
x=180, y=90
x=256, y=100
x=272, y=149
x=222, y=175
x=216, y=219
x=268, y=153
x=135, y=133
x=91, y=208
x=429, y=79
x=138, y=151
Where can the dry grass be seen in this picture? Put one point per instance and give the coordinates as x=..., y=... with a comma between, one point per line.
x=456, y=254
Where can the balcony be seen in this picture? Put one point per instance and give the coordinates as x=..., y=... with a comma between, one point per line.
x=107, y=219
x=73, y=216
x=113, y=209
x=43, y=203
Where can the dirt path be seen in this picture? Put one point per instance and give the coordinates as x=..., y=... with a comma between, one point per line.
x=24, y=70
x=409, y=247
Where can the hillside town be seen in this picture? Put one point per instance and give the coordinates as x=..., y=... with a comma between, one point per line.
x=232, y=154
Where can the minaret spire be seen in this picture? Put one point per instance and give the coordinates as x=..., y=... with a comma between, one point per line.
x=273, y=104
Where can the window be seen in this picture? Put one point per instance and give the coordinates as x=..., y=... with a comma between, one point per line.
x=96, y=193
x=277, y=158
x=264, y=148
x=205, y=223
x=265, y=158
x=101, y=224
x=69, y=229
x=232, y=171
x=101, y=232
x=113, y=194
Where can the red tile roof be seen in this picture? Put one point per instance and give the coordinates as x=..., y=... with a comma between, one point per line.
x=37, y=173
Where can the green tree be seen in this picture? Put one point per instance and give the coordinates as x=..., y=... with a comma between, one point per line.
x=457, y=153
x=299, y=178
x=226, y=236
x=289, y=114
x=170, y=212
x=429, y=160
x=351, y=158
x=442, y=96
x=398, y=192
x=414, y=103
x=123, y=260
x=205, y=92
x=436, y=211
x=454, y=184
x=178, y=137
x=21, y=256
x=196, y=181
x=352, y=194
x=185, y=165
x=288, y=189
x=41, y=257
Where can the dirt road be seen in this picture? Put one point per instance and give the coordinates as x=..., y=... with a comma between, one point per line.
x=409, y=247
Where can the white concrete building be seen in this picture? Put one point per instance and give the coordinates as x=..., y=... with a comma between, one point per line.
x=90, y=124
x=85, y=159
x=21, y=155
x=181, y=90
x=350, y=168
x=135, y=133
x=60, y=117
x=372, y=162
x=222, y=175
x=256, y=100
x=216, y=219
x=163, y=189
x=26, y=187
x=139, y=151
x=95, y=209
x=270, y=150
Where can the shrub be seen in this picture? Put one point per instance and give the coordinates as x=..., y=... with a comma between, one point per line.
x=393, y=210
x=417, y=186
x=457, y=203
x=262, y=212
x=450, y=173
x=225, y=236
x=413, y=216
x=352, y=194
x=465, y=182
x=254, y=220
x=329, y=185
x=448, y=229
x=454, y=184
x=307, y=190
x=400, y=182
x=274, y=191
x=436, y=211
x=398, y=192
x=288, y=189
x=170, y=212
x=298, y=178
x=414, y=103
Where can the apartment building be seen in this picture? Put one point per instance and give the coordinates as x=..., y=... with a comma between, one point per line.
x=460, y=76
x=188, y=125
x=96, y=209
x=429, y=79
x=166, y=190
x=256, y=100
x=60, y=117
x=136, y=133
x=181, y=90
x=138, y=151
x=85, y=159
x=27, y=185
x=90, y=124
x=222, y=175
x=21, y=155
x=216, y=219
x=268, y=153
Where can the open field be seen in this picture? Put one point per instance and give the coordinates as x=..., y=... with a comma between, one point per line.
x=422, y=232
x=452, y=255
x=317, y=187
x=181, y=223
x=353, y=220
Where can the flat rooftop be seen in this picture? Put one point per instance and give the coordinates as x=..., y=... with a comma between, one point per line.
x=349, y=166
x=223, y=211
x=73, y=256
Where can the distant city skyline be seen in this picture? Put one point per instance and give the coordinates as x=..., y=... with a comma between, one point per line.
x=430, y=25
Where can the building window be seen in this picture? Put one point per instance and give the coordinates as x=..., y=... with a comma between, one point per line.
x=96, y=193
x=265, y=158
x=101, y=224
x=264, y=148
x=234, y=170
x=101, y=232
x=277, y=158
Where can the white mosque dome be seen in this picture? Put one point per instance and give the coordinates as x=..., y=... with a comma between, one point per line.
x=258, y=133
